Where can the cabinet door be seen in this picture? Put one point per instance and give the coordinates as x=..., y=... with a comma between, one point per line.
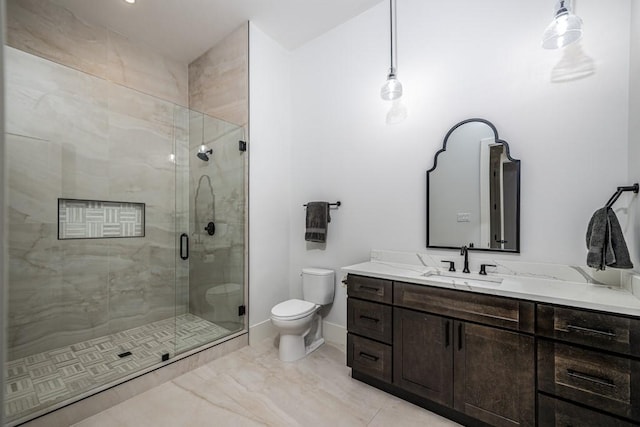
x=494, y=375
x=422, y=358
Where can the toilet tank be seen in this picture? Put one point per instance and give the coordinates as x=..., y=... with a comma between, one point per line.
x=318, y=285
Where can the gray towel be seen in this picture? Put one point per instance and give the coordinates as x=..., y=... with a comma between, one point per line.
x=605, y=242
x=317, y=221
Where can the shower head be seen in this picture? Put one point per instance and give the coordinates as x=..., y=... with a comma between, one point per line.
x=204, y=155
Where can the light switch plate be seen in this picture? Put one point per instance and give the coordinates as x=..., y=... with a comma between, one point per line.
x=464, y=217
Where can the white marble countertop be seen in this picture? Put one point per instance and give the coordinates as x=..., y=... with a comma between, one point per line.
x=575, y=294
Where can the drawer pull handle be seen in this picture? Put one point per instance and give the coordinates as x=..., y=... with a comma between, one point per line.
x=372, y=319
x=369, y=288
x=582, y=376
x=591, y=331
x=369, y=356
x=446, y=335
x=459, y=336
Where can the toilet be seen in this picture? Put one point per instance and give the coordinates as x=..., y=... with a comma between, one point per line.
x=296, y=318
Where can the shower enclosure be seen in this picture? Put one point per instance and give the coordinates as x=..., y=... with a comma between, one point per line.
x=126, y=233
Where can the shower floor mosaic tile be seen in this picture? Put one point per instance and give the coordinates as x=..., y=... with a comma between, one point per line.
x=40, y=380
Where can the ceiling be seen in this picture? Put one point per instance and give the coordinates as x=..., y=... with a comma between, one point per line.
x=185, y=29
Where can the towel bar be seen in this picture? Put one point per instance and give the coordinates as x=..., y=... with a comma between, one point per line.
x=635, y=187
x=337, y=204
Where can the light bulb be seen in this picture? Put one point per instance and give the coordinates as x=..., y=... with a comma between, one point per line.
x=562, y=23
x=566, y=28
x=202, y=149
x=391, y=89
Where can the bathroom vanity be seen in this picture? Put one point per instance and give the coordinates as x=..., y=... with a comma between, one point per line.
x=496, y=350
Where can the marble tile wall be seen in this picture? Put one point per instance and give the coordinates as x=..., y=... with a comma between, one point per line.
x=73, y=135
x=219, y=79
x=217, y=194
x=48, y=30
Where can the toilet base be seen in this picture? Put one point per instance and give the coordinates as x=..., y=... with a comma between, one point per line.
x=295, y=347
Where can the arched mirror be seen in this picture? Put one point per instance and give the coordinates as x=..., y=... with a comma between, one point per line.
x=473, y=191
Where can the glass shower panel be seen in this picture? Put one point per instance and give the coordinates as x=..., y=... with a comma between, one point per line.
x=87, y=307
x=143, y=133
x=215, y=184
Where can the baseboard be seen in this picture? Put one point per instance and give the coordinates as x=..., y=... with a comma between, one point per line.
x=261, y=331
x=335, y=334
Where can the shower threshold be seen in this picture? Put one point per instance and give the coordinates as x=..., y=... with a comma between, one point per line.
x=39, y=381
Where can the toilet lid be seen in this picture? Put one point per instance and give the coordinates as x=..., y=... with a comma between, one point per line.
x=293, y=309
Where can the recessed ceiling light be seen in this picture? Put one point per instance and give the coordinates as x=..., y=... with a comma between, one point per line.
x=130, y=1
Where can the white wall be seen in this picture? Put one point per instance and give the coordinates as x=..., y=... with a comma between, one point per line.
x=457, y=60
x=270, y=174
x=634, y=131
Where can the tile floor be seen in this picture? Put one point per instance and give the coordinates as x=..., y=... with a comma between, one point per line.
x=252, y=387
x=38, y=381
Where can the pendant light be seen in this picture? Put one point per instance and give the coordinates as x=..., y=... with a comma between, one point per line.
x=566, y=28
x=392, y=89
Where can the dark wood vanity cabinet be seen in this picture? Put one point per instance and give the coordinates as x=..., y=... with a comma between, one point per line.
x=423, y=340
x=559, y=413
x=369, y=322
x=481, y=371
x=430, y=343
x=494, y=377
x=477, y=358
x=589, y=359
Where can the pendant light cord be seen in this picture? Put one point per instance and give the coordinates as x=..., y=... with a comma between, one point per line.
x=392, y=17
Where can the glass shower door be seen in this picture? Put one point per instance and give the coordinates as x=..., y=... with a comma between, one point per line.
x=211, y=232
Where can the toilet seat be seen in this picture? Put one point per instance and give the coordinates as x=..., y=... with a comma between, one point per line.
x=293, y=309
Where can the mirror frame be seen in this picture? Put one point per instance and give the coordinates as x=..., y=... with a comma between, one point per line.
x=508, y=154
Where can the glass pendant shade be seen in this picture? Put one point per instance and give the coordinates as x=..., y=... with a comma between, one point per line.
x=391, y=89
x=566, y=28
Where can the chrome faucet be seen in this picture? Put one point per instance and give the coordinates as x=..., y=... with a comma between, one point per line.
x=465, y=251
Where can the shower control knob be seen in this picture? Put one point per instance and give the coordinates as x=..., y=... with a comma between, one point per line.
x=210, y=229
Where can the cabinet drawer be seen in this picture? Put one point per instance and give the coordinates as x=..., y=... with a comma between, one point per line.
x=557, y=413
x=605, y=382
x=369, y=357
x=369, y=288
x=493, y=311
x=600, y=330
x=371, y=319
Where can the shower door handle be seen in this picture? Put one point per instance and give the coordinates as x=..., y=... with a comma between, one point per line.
x=184, y=246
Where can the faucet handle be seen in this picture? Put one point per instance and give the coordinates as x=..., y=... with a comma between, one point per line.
x=452, y=264
x=483, y=267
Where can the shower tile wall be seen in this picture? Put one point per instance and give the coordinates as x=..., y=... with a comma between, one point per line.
x=47, y=30
x=218, y=80
x=77, y=136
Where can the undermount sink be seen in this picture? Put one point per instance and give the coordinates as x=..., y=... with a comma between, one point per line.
x=469, y=279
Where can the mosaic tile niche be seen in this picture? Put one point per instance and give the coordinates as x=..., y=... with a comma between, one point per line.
x=94, y=219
